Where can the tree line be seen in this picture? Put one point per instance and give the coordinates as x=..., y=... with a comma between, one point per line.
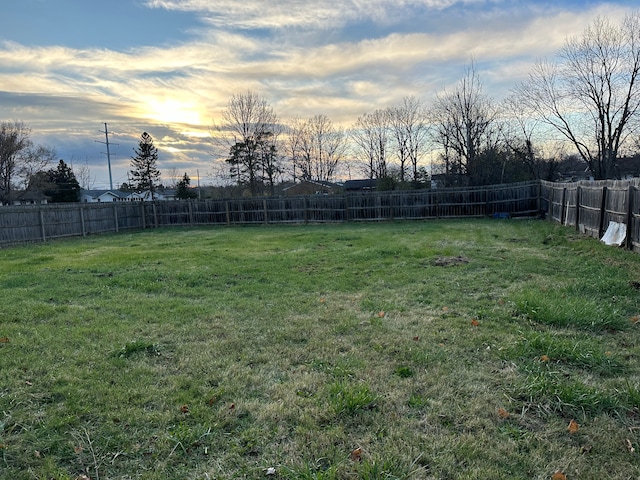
x=583, y=102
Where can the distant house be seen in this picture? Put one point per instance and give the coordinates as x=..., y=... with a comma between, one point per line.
x=103, y=196
x=573, y=169
x=108, y=196
x=310, y=187
x=360, y=185
x=158, y=195
x=30, y=196
x=629, y=167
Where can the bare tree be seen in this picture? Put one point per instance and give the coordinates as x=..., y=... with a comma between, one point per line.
x=518, y=132
x=318, y=147
x=34, y=159
x=410, y=130
x=250, y=134
x=174, y=176
x=83, y=174
x=464, y=124
x=294, y=146
x=14, y=141
x=590, y=93
x=371, y=137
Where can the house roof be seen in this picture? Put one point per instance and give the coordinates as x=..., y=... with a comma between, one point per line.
x=99, y=193
x=363, y=184
x=317, y=183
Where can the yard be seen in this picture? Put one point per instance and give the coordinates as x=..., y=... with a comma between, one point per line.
x=468, y=349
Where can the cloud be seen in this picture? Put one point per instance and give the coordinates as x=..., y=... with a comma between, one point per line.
x=339, y=58
x=279, y=15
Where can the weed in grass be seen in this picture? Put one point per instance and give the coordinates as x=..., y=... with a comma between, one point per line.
x=417, y=401
x=137, y=347
x=557, y=307
x=583, y=353
x=549, y=390
x=348, y=398
x=404, y=372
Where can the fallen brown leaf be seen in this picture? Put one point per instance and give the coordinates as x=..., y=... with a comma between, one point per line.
x=502, y=413
x=558, y=476
x=356, y=455
x=573, y=426
x=184, y=408
x=475, y=322
x=4, y=339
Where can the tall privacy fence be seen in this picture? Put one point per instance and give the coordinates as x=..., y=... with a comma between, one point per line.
x=21, y=224
x=591, y=206
x=587, y=206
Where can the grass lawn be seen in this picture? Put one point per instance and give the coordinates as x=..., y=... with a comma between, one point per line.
x=475, y=349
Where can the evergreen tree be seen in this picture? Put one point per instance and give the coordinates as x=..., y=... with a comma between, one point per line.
x=63, y=185
x=145, y=175
x=184, y=191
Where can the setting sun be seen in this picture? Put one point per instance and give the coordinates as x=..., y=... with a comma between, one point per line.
x=173, y=111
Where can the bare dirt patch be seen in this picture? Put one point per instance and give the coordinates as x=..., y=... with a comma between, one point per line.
x=449, y=261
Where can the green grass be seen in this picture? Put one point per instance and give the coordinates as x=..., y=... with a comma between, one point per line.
x=441, y=350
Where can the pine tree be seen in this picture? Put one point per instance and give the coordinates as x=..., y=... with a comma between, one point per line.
x=184, y=191
x=145, y=175
x=64, y=186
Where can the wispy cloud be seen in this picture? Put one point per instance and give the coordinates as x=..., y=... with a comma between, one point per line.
x=279, y=15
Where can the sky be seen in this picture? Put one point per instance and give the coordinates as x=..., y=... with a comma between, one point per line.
x=169, y=67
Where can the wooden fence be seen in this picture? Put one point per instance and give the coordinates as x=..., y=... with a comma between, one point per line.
x=23, y=224
x=590, y=206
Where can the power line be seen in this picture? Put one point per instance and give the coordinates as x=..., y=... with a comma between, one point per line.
x=106, y=142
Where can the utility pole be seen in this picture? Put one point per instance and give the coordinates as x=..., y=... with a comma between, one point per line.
x=106, y=142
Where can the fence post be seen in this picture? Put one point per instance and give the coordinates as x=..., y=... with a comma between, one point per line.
x=550, y=203
x=42, y=226
x=84, y=228
x=630, y=196
x=144, y=215
x=603, y=211
x=563, y=210
x=266, y=213
x=346, y=207
x=306, y=210
x=190, y=212
x=539, y=200
x=226, y=207
x=115, y=216
x=578, y=202
x=155, y=215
